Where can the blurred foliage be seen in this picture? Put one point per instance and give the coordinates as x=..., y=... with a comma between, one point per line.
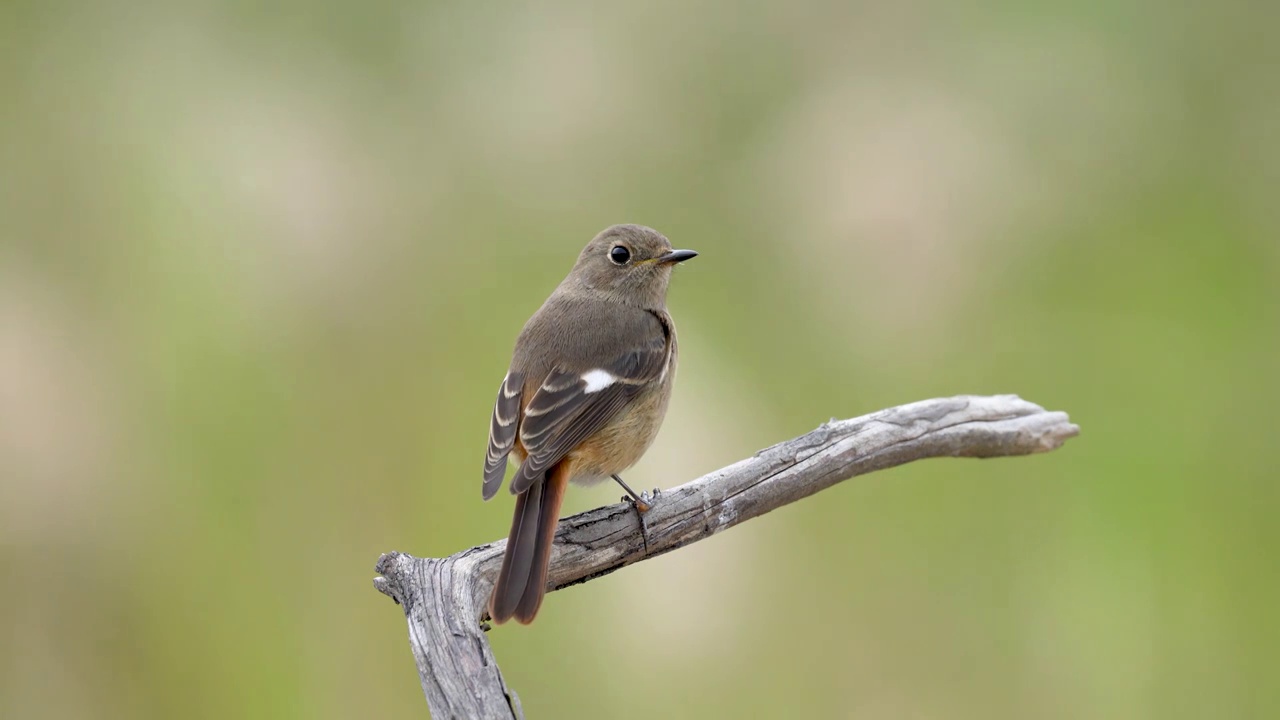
x=261, y=267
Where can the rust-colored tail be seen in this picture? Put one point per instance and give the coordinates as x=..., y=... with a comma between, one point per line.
x=522, y=581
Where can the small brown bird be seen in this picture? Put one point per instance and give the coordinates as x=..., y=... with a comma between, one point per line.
x=585, y=395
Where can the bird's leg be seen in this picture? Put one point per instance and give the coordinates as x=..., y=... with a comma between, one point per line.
x=642, y=505
x=641, y=501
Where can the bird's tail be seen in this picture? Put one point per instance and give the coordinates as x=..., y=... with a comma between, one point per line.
x=522, y=581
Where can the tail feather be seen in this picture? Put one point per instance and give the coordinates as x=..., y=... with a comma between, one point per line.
x=522, y=581
x=549, y=516
x=518, y=557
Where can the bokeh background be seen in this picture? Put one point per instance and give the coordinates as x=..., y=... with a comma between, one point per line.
x=261, y=266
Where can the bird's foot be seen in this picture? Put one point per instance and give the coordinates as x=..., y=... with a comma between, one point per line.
x=643, y=501
x=646, y=501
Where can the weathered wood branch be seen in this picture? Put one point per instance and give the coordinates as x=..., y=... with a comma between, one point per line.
x=444, y=598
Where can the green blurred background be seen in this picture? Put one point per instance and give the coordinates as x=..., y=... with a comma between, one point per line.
x=261, y=268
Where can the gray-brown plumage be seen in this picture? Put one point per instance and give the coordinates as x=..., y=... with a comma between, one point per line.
x=585, y=395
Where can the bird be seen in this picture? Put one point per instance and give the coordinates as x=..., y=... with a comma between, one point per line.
x=585, y=394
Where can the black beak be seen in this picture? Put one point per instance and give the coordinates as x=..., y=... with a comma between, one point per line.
x=676, y=256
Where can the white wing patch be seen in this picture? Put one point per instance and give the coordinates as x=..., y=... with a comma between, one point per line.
x=597, y=380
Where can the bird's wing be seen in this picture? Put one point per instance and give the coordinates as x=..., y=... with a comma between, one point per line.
x=571, y=405
x=502, y=432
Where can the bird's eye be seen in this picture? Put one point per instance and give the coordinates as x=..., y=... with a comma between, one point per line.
x=619, y=255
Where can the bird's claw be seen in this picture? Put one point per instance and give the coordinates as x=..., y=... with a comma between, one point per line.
x=643, y=504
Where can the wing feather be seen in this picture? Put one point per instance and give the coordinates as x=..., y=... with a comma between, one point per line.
x=562, y=413
x=503, y=428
